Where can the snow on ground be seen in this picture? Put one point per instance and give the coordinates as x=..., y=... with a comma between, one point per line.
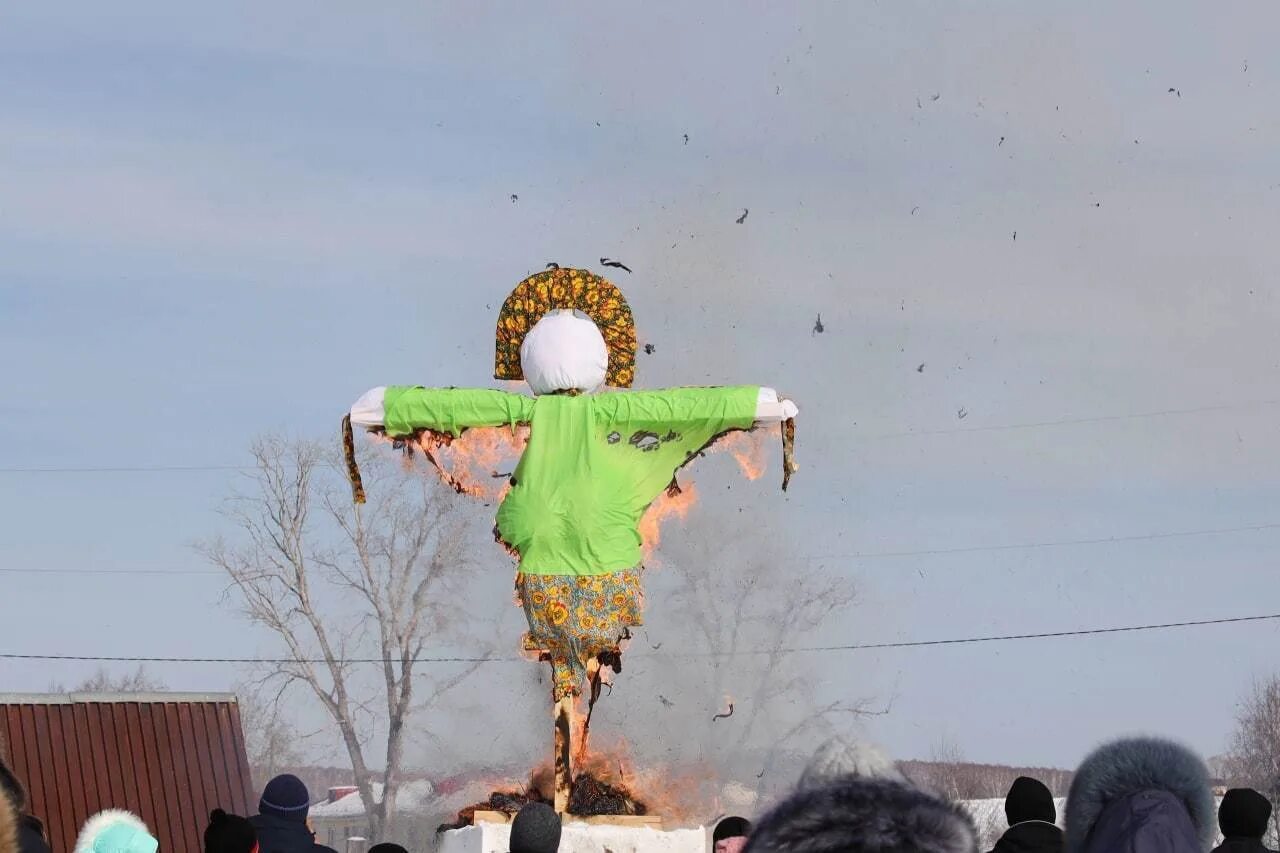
x=988, y=815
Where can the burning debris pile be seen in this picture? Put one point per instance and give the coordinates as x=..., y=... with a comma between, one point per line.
x=507, y=802
x=591, y=797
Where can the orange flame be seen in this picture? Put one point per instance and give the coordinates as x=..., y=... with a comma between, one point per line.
x=666, y=506
x=747, y=449
x=677, y=797
x=479, y=462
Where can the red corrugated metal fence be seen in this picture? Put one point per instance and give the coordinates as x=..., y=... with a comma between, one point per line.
x=168, y=760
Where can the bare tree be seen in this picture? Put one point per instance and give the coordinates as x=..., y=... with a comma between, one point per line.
x=947, y=775
x=950, y=775
x=102, y=681
x=1254, y=759
x=270, y=739
x=336, y=582
x=742, y=606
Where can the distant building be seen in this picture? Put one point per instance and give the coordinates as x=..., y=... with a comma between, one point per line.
x=341, y=815
x=169, y=758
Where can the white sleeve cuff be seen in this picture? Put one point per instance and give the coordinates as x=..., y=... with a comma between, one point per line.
x=769, y=409
x=368, y=411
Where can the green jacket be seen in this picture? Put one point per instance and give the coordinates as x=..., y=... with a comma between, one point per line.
x=593, y=465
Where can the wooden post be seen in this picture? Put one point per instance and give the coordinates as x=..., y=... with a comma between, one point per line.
x=593, y=686
x=564, y=738
x=564, y=757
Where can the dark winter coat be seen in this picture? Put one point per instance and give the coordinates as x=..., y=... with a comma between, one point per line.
x=31, y=836
x=1242, y=845
x=280, y=835
x=1032, y=836
x=1140, y=795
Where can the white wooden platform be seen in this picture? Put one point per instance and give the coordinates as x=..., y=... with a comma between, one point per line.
x=619, y=835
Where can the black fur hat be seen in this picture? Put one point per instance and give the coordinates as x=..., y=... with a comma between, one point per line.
x=857, y=814
x=228, y=833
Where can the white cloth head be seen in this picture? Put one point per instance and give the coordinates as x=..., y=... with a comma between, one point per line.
x=563, y=352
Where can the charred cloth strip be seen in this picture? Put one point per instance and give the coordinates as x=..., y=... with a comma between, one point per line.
x=349, y=455
x=789, y=465
x=426, y=441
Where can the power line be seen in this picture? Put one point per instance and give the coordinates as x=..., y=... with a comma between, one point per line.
x=1096, y=419
x=904, y=644
x=1020, y=546
x=123, y=469
x=151, y=572
x=865, y=555
x=1083, y=632
x=1247, y=404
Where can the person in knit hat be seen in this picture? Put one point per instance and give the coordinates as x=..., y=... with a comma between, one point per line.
x=116, y=831
x=1243, y=818
x=281, y=821
x=536, y=829
x=228, y=833
x=730, y=835
x=866, y=815
x=1140, y=795
x=387, y=847
x=1031, y=813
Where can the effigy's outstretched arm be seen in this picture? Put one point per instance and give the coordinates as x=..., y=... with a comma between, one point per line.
x=403, y=410
x=676, y=423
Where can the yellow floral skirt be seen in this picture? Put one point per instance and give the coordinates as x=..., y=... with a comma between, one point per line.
x=576, y=617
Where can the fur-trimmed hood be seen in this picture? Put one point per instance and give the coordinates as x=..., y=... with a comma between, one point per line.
x=867, y=815
x=115, y=831
x=1164, y=774
x=839, y=757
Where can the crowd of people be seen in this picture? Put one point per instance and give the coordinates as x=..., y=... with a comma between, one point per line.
x=1138, y=795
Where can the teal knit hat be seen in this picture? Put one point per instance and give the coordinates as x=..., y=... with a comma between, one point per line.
x=115, y=831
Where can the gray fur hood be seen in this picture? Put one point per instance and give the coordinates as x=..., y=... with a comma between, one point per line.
x=861, y=814
x=839, y=757
x=1126, y=768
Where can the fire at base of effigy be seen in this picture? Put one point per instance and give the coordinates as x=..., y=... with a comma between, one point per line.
x=602, y=784
x=603, y=814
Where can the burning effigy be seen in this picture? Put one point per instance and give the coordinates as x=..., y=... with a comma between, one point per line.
x=593, y=463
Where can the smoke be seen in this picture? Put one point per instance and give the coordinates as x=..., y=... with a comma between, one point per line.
x=727, y=600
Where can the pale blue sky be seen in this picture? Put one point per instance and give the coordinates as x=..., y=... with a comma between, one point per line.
x=231, y=218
